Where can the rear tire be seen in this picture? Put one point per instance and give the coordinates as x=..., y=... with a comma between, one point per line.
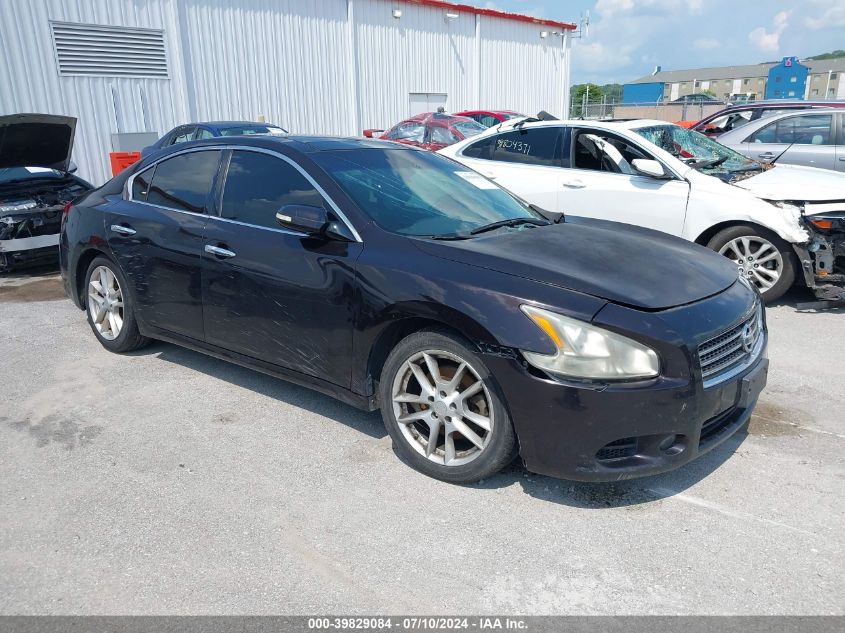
x=443, y=409
x=761, y=256
x=109, y=307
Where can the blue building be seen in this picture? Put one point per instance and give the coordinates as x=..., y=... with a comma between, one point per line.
x=787, y=80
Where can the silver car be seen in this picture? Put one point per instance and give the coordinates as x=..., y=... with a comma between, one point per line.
x=814, y=138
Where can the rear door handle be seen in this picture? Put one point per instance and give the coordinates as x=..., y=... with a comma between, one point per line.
x=842, y=158
x=123, y=230
x=574, y=184
x=766, y=155
x=493, y=176
x=219, y=251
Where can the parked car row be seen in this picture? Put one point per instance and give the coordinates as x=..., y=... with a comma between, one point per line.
x=477, y=295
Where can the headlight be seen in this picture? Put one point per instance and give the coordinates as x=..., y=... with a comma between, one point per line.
x=586, y=351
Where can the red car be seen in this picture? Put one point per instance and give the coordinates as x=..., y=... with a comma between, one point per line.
x=430, y=130
x=489, y=118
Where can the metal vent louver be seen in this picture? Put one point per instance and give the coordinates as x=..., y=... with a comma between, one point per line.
x=109, y=51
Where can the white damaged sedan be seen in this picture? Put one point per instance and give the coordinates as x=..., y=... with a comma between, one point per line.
x=781, y=224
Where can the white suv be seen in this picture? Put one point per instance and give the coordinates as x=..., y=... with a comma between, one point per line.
x=779, y=223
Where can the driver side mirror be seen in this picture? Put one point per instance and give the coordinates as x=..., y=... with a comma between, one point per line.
x=313, y=221
x=647, y=167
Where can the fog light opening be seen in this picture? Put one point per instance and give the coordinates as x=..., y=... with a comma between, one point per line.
x=667, y=442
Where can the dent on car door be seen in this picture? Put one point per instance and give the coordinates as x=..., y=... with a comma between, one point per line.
x=602, y=183
x=802, y=139
x=527, y=162
x=156, y=236
x=270, y=293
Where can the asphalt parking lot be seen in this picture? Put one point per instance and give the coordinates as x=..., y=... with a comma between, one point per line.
x=168, y=482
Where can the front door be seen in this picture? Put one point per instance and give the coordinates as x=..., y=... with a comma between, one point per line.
x=270, y=293
x=601, y=183
x=157, y=238
x=801, y=139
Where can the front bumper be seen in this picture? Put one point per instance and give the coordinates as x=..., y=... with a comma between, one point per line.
x=609, y=432
x=616, y=433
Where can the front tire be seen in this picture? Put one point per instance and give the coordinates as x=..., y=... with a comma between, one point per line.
x=444, y=411
x=109, y=307
x=761, y=256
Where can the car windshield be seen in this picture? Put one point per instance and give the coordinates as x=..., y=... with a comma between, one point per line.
x=420, y=193
x=470, y=128
x=696, y=149
x=11, y=174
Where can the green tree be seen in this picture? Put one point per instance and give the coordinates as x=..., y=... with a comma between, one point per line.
x=594, y=93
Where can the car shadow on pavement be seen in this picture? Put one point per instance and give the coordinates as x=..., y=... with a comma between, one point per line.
x=276, y=388
x=619, y=493
x=569, y=493
x=802, y=300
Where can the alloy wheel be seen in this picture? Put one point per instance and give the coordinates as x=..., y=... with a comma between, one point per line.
x=105, y=303
x=442, y=407
x=757, y=259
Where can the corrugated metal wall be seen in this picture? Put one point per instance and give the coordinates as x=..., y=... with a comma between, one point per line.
x=312, y=66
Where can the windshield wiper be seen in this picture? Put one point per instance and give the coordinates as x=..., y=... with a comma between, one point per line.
x=448, y=236
x=708, y=162
x=509, y=222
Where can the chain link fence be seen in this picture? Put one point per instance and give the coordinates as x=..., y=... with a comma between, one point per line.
x=610, y=109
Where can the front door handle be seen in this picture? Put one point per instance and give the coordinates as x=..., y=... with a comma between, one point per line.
x=766, y=155
x=123, y=230
x=574, y=184
x=842, y=158
x=219, y=251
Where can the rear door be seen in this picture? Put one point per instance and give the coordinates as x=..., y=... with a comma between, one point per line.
x=802, y=139
x=157, y=237
x=527, y=162
x=270, y=293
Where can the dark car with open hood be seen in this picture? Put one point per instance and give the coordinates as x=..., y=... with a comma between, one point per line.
x=36, y=183
x=396, y=279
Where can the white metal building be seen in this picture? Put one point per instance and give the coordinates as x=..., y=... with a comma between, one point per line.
x=311, y=66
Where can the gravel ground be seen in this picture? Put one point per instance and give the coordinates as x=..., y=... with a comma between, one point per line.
x=168, y=482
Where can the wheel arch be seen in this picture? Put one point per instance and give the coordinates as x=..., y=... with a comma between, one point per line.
x=708, y=234
x=390, y=335
x=82, y=264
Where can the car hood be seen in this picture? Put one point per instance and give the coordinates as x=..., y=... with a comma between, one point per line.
x=794, y=182
x=621, y=263
x=36, y=140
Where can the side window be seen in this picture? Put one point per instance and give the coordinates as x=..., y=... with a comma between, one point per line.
x=408, y=132
x=441, y=135
x=202, y=133
x=258, y=185
x=183, y=135
x=141, y=184
x=544, y=146
x=807, y=129
x=600, y=151
x=183, y=182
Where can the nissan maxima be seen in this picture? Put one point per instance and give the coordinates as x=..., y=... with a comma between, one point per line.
x=392, y=278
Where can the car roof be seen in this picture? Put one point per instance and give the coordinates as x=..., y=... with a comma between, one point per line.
x=229, y=124
x=306, y=144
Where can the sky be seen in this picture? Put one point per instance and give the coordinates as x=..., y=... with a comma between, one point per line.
x=628, y=38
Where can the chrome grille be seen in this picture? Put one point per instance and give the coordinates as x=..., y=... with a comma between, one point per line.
x=731, y=349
